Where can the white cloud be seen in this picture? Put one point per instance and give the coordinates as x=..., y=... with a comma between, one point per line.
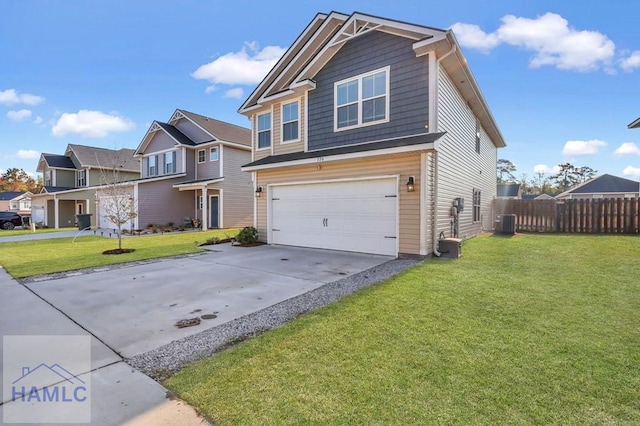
x=91, y=124
x=631, y=171
x=248, y=66
x=543, y=168
x=210, y=89
x=627, y=148
x=19, y=115
x=235, y=93
x=631, y=62
x=549, y=36
x=38, y=120
x=471, y=36
x=590, y=147
x=13, y=97
x=28, y=154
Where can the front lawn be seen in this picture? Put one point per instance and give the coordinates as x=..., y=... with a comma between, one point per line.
x=25, y=231
x=28, y=258
x=532, y=329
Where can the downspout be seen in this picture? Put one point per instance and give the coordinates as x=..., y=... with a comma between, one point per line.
x=435, y=163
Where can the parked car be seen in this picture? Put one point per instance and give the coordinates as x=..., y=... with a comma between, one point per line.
x=9, y=220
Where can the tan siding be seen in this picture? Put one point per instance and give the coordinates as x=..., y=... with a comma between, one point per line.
x=460, y=167
x=237, y=195
x=258, y=154
x=404, y=165
x=289, y=147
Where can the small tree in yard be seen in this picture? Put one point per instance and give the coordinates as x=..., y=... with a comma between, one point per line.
x=117, y=203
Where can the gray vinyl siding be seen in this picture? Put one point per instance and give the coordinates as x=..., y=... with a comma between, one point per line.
x=95, y=176
x=208, y=169
x=409, y=90
x=65, y=178
x=160, y=142
x=237, y=189
x=460, y=167
x=194, y=132
x=161, y=164
x=159, y=203
x=190, y=161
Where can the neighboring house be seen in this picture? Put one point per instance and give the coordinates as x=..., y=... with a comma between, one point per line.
x=365, y=134
x=190, y=169
x=509, y=190
x=70, y=181
x=537, y=197
x=605, y=186
x=635, y=124
x=19, y=202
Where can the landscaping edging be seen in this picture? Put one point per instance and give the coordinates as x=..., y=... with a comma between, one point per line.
x=163, y=362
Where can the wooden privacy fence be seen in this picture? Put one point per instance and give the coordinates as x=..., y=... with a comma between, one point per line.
x=594, y=216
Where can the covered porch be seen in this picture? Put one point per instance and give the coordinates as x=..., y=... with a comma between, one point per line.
x=208, y=196
x=58, y=209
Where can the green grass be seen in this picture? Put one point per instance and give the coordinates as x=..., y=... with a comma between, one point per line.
x=15, y=232
x=28, y=258
x=526, y=330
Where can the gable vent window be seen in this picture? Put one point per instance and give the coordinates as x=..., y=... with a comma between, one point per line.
x=362, y=100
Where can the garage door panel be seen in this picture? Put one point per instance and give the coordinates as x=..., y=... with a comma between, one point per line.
x=353, y=216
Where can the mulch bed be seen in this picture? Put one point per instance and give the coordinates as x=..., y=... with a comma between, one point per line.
x=118, y=251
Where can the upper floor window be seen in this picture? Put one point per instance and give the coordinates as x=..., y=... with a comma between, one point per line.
x=47, y=178
x=26, y=204
x=290, y=121
x=362, y=100
x=81, y=178
x=214, y=154
x=14, y=205
x=152, y=166
x=169, y=162
x=201, y=156
x=264, y=130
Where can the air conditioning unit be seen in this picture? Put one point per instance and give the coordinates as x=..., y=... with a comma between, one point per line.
x=508, y=224
x=450, y=248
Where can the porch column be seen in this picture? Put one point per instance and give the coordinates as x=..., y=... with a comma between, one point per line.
x=205, y=208
x=56, y=212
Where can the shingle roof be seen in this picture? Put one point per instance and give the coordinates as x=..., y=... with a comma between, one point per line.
x=91, y=156
x=176, y=134
x=51, y=189
x=635, y=124
x=6, y=196
x=349, y=149
x=221, y=130
x=59, y=161
x=508, y=189
x=606, y=183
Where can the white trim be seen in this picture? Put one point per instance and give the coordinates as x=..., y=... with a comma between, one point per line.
x=217, y=151
x=234, y=145
x=306, y=121
x=433, y=92
x=270, y=147
x=255, y=199
x=282, y=123
x=350, y=156
x=359, y=102
x=220, y=163
x=423, y=228
x=196, y=185
x=221, y=209
x=276, y=96
x=208, y=221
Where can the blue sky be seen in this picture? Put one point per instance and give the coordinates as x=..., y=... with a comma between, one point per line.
x=561, y=77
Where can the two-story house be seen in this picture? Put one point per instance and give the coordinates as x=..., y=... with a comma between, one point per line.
x=16, y=201
x=190, y=170
x=371, y=135
x=70, y=181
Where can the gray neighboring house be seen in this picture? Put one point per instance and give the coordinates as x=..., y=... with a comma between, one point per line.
x=509, y=190
x=366, y=134
x=605, y=186
x=190, y=170
x=72, y=179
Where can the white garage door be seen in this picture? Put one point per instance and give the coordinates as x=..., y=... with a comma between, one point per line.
x=106, y=207
x=352, y=216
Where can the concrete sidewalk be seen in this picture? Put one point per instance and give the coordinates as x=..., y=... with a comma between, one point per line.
x=107, y=233
x=119, y=393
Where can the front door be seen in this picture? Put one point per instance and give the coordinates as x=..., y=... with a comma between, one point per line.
x=80, y=208
x=214, y=211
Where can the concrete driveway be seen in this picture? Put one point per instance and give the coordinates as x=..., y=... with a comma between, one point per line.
x=130, y=310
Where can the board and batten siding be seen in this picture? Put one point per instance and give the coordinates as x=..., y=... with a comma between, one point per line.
x=408, y=90
x=237, y=194
x=159, y=203
x=404, y=165
x=460, y=167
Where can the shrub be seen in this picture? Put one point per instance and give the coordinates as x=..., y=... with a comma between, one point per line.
x=247, y=235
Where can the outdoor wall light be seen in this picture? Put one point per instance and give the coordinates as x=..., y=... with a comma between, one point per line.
x=411, y=184
x=258, y=191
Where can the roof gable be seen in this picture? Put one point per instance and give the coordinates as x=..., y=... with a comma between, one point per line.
x=101, y=158
x=508, y=189
x=7, y=196
x=219, y=130
x=175, y=134
x=55, y=161
x=606, y=184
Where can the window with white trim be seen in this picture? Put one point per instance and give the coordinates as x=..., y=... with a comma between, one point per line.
x=264, y=130
x=14, y=205
x=476, y=205
x=201, y=156
x=152, y=165
x=214, y=154
x=81, y=178
x=169, y=162
x=362, y=100
x=291, y=121
x=47, y=178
